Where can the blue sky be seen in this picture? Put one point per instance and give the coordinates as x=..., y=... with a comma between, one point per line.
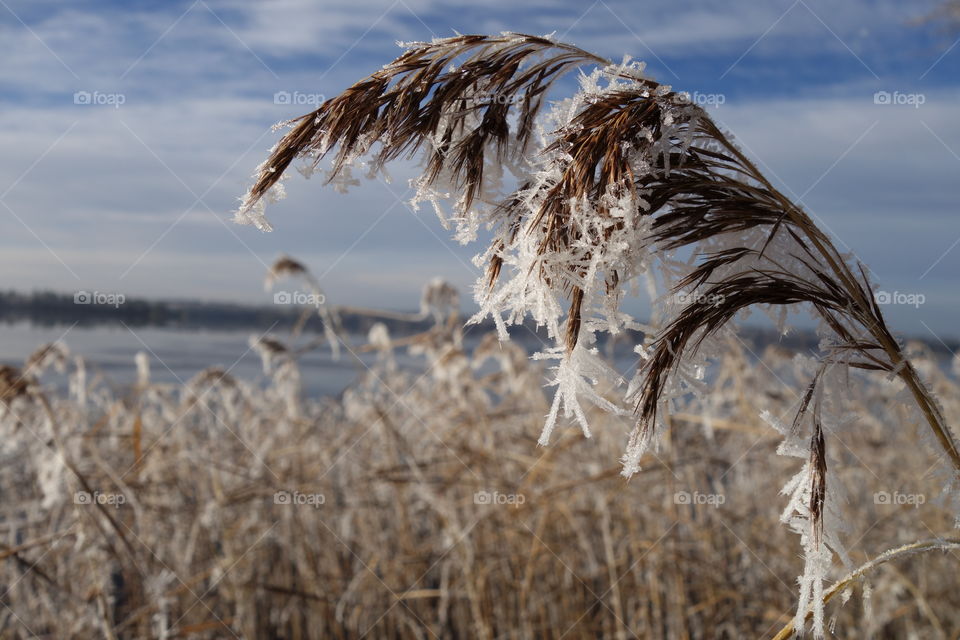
x=136, y=197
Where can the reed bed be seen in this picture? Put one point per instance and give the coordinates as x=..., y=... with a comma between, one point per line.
x=420, y=506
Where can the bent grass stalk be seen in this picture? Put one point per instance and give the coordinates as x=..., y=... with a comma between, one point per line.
x=921, y=546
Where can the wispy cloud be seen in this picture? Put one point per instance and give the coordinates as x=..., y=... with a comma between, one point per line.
x=198, y=80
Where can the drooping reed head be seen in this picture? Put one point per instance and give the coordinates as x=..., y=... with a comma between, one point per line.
x=605, y=188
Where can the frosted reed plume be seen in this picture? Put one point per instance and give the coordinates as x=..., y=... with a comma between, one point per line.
x=587, y=199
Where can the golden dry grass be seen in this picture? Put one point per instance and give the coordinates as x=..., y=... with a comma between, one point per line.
x=400, y=547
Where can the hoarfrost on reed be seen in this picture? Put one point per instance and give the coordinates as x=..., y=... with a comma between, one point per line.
x=606, y=191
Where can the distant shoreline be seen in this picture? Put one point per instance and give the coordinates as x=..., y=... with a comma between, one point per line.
x=47, y=309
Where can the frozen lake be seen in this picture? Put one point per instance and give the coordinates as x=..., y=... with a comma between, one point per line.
x=176, y=355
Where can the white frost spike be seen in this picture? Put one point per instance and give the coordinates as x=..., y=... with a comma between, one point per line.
x=639, y=443
x=253, y=214
x=577, y=375
x=251, y=210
